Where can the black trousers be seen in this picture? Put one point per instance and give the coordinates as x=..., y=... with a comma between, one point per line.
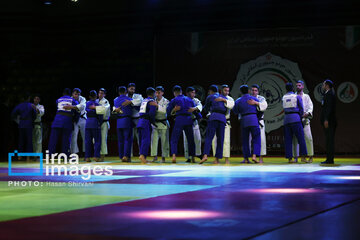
x=330, y=142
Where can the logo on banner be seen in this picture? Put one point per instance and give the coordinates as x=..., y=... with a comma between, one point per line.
x=271, y=73
x=347, y=92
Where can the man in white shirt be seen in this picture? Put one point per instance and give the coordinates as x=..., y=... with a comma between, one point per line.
x=103, y=109
x=37, y=130
x=261, y=107
x=308, y=114
x=80, y=124
x=161, y=130
x=229, y=104
x=190, y=92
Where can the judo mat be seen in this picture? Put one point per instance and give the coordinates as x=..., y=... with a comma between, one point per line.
x=274, y=200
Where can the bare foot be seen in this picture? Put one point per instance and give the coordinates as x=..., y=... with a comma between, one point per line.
x=142, y=159
x=261, y=159
x=311, y=159
x=204, y=159
x=173, y=158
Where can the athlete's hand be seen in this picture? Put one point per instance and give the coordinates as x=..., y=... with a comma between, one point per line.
x=193, y=109
x=92, y=107
x=176, y=108
x=252, y=102
x=326, y=124
x=125, y=103
x=220, y=99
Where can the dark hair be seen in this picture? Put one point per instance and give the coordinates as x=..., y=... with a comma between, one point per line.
x=160, y=88
x=67, y=91
x=224, y=86
x=76, y=90
x=255, y=86
x=93, y=94
x=131, y=85
x=177, y=88
x=329, y=83
x=300, y=81
x=213, y=88
x=122, y=90
x=36, y=95
x=190, y=89
x=103, y=90
x=150, y=91
x=244, y=89
x=289, y=87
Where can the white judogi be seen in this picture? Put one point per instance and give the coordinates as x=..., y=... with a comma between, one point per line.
x=37, y=130
x=80, y=125
x=196, y=129
x=308, y=108
x=161, y=130
x=136, y=103
x=104, y=109
x=262, y=107
x=226, y=148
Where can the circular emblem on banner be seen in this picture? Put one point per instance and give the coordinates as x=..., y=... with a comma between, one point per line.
x=318, y=94
x=271, y=73
x=347, y=92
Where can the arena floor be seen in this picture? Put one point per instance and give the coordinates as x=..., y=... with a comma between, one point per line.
x=274, y=200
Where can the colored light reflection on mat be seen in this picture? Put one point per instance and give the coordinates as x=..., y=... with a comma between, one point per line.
x=349, y=177
x=282, y=190
x=175, y=214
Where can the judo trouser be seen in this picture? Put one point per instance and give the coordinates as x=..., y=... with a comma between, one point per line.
x=163, y=134
x=308, y=141
x=92, y=142
x=145, y=139
x=330, y=138
x=104, y=133
x=66, y=139
x=218, y=128
x=226, y=148
x=25, y=140
x=175, y=135
x=79, y=126
x=135, y=135
x=262, y=139
x=254, y=132
x=197, y=140
x=290, y=130
x=37, y=138
x=125, y=139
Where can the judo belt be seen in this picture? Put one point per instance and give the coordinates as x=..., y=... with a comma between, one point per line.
x=163, y=121
x=91, y=114
x=135, y=117
x=243, y=115
x=83, y=116
x=25, y=119
x=119, y=117
x=105, y=120
x=64, y=114
x=259, y=119
x=291, y=112
x=38, y=123
x=218, y=111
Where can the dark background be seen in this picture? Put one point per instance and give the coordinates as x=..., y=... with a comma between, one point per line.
x=91, y=44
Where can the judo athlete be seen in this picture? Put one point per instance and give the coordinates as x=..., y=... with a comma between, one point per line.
x=135, y=102
x=37, y=130
x=124, y=124
x=294, y=110
x=92, y=129
x=63, y=122
x=104, y=109
x=181, y=107
x=190, y=92
x=27, y=114
x=261, y=106
x=215, y=104
x=229, y=104
x=147, y=117
x=308, y=114
x=80, y=124
x=161, y=129
x=249, y=124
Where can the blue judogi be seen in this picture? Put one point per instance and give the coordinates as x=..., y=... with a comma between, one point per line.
x=293, y=108
x=183, y=122
x=216, y=124
x=63, y=124
x=249, y=124
x=27, y=116
x=92, y=131
x=147, y=116
x=124, y=127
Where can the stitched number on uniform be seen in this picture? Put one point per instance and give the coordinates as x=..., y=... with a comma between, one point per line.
x=289, y=101
x=143, y=107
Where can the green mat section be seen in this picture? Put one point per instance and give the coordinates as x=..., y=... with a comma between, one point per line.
x=16, y=203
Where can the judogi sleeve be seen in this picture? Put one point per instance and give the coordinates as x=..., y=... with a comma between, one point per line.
x=137, y=100
x=230, y=103
x=262, y=105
